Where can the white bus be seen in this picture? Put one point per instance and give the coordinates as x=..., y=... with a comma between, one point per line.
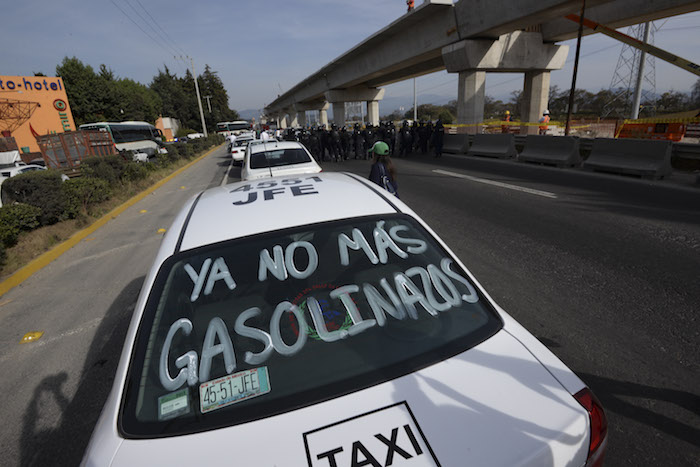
x=236, y=128
x=141, y=137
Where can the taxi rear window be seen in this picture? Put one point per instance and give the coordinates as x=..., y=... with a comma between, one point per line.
x=278, y=157
x=259, y=326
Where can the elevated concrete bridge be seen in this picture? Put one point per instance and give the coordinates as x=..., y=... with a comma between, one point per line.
x=471, y=38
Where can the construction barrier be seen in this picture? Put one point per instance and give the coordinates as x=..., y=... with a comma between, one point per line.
x=455, y=144
x=562, y=151
x=686, y=151
x=501, y=146
x=631, y=156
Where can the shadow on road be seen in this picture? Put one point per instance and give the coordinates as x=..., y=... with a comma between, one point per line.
x=612, y=392
x=65, y=443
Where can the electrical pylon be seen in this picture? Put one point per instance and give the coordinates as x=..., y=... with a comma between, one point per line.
x=625, y=76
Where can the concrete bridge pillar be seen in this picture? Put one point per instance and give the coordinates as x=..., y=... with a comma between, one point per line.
x=339, y=113
x=283, y=121
x=323, y=116
x=301, y=119
x=535, y=99
x=518, y=51
x=293, y=119
x=357, y=94
x=470, y=99
x=373, y=113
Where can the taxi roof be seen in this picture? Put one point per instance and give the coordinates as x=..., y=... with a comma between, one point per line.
x=262, y=146
x=264, y=205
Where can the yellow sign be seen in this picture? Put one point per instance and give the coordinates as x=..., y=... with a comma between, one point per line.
x=53, y=114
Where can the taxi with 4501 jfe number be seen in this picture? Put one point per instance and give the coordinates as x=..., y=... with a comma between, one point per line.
x=316, y=320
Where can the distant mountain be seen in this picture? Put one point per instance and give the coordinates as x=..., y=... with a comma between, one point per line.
x=249, y=114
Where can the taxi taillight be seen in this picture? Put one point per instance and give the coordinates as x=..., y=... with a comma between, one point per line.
x=599, y=426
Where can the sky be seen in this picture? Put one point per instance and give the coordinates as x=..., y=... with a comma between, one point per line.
x=261, y=49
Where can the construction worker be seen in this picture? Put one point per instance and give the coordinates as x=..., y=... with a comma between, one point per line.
x=506, y=118
x=544, y=122
x=411, y=4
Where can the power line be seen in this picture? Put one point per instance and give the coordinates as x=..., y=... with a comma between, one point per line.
x=163, y=30
x=139, y=26
x=150, y=28
x=142, y=30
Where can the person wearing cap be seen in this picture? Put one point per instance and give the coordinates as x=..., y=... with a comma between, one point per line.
x=382, y=172
x=543, y=122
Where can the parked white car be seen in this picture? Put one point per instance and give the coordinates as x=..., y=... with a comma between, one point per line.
x=239, y=146
x=19, y=168
x=276, y=158
x=283, y=325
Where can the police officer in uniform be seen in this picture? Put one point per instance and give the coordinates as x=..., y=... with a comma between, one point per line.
x=359, y=138
x=391, y=137
x=422, y=137
x=322, y=141
x=334, y=143
x=405, y=140
x=345, y=142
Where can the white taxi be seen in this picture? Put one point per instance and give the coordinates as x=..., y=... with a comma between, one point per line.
x=276, y=158
x=238, y=148
x=281, y=325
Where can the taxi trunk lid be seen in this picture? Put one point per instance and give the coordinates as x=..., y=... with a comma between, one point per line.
x=494, y=405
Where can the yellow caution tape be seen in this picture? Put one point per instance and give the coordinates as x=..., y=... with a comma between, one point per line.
x=500, y=123
x=664, y=120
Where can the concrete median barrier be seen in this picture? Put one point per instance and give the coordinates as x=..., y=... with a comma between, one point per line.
x=561, y=151
x=498, y=145
x=455, y=144
x=631, y=156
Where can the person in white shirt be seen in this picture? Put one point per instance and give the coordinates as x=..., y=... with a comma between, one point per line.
x=278, y=134
x=264, y=136
x=231, y=140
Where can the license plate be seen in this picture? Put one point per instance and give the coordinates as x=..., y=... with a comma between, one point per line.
x=232, y=389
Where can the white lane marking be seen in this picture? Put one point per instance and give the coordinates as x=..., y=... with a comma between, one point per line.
x=42, y=342
x=89, y=325
x=531, y=191
x=93, y=323
x=228, y=172
x=104, y=253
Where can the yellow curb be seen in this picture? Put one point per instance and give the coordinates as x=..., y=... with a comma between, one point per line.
x=45, y=259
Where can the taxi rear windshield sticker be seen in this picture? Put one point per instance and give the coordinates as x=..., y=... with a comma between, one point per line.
x=232, y=389
x=174, y=404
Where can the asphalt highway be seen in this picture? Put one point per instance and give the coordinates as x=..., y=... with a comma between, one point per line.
x=602, y=269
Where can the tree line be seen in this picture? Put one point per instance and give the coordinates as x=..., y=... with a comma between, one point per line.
x=100, y=95
x=586, y=105
x=602, y=104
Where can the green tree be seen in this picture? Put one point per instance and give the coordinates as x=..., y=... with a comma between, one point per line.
x=211, y=85
x=136, y=101
x=673, y=101
x=85, y=89
x=695, y=96
x=170, y=90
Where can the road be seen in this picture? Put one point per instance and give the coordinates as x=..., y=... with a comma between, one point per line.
x=603, y=269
